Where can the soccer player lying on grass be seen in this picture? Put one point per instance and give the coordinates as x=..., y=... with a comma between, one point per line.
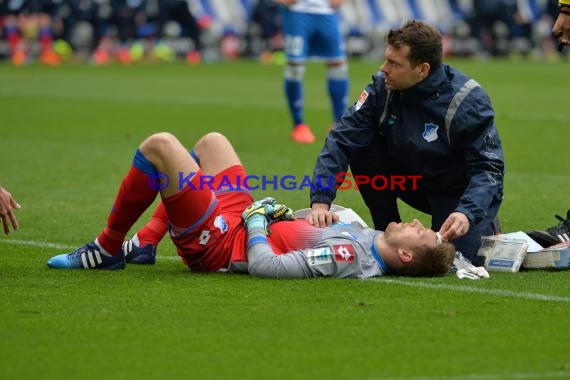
x=215, y=230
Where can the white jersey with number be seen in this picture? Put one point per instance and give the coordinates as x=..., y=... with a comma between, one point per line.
x=313, y=6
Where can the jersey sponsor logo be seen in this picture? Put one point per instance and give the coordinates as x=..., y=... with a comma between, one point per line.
x=430, y=132
x=343, y=253
x=221, y=224
x=204, y=237
x=361, y=100
x=319, y=256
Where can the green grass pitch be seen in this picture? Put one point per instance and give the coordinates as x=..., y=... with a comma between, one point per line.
x=67, y=137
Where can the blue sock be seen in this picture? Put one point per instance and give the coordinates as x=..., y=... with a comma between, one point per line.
x=195, y=156
x=143, y=164
x=338, y=92
x=294, y=92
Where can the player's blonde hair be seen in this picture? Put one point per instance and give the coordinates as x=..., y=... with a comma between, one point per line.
x=431, y=261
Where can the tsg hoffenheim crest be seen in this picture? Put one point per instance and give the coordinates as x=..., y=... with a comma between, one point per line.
x=430, y=132
x=221, y=224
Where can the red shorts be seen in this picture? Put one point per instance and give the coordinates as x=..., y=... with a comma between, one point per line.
x=205, y=220
x=206, y=224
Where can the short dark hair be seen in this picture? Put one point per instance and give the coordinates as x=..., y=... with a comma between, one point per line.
x=423, y=39
x=431, y=261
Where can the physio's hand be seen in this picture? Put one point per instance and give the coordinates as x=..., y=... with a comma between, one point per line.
x=455, y=225
x=7, y=206
x=321, y=216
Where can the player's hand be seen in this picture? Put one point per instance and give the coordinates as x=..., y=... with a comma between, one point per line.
x=266, y=212
x=321, y=216
x=455, y=225
x=7, y=206
x=269, y=208
x=561, y=28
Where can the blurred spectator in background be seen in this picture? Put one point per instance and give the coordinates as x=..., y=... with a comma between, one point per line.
x=491, y=23
x=52, y=31
x=265, y=23
x=28, y=21
x=128, y=18
x=176, y=20
x=84, y=25
x=49, y=18
x=230, y=20
x=532, y=28
x=13, y=16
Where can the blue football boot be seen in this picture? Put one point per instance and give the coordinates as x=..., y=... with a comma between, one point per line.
x=88, y=256
x=135, y=254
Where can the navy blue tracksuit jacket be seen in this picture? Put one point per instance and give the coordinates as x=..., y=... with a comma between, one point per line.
x=442, y=129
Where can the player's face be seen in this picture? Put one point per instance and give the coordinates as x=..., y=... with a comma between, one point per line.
x=398, y=71
x=410, y=235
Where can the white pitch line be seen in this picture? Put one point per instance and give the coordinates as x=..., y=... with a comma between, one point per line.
x=506, y=376
x=39, y=244
x=461, y=288
x=43, y=244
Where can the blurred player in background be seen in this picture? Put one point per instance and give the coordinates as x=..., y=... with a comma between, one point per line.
x=311, y=29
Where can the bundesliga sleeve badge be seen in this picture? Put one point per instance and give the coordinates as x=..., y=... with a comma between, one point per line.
x=361, y=100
